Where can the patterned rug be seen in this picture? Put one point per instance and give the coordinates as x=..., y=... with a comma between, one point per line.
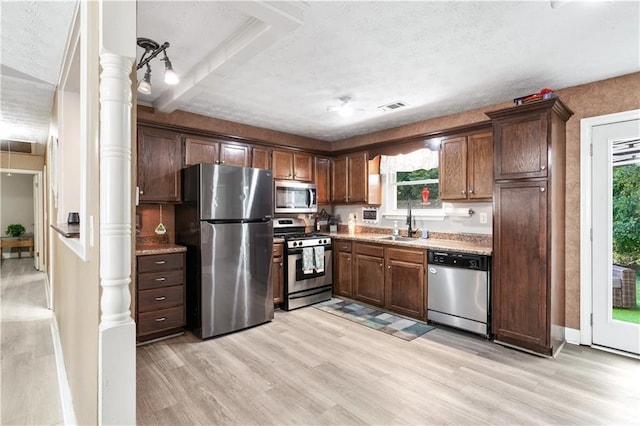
x=404, y=328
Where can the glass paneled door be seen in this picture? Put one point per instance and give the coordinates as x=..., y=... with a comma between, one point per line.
x=616, y=235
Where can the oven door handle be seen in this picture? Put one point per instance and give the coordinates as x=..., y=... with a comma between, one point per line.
x=307, y=294
x=292, y=251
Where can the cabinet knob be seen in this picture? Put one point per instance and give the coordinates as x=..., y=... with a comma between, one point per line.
x=222, y=162
x=542, y=189
x=381, y=265
x=543, y=167
x=289, y=175
x=389, y=267
x=281, y=263
x=471, y=191
x=160, y=299
x=217, y=161
x=141, y=192
x=464, y=192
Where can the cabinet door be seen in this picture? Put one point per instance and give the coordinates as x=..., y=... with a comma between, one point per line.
x=521, y=146
x=368, y=277
x=200, y=150
x=260, y=158
x=303, y=167
x=282, y=163
x=453, y=169
x=480, y=165
x=405, y=282
x=358, y=178
x=343, y=282
x=277, y=274
x=159, y=164
x=322, y=179
x=234, y=155
x=339, y=180
x=519, y=282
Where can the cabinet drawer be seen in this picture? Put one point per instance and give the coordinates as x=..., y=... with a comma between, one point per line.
x=160, y=262
x=151, y=322
x=160, y=279
x=370, y=250
x=160, y=298
x=404, y=255
x=344, y=246
x=277, y=250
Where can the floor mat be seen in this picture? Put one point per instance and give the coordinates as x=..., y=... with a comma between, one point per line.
x=404, y=328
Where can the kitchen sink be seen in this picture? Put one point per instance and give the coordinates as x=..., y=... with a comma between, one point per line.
x=392, y=238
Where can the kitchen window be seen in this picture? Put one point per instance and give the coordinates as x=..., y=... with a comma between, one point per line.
x=411, y=179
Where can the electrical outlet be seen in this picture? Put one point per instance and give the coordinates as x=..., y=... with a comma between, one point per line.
x=483, y=217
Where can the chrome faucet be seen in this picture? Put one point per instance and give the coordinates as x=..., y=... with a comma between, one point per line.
x=410, y=232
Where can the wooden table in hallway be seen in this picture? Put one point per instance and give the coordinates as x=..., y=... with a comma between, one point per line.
x=17, y=242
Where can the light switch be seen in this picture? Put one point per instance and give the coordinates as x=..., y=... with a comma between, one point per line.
x=483, y=217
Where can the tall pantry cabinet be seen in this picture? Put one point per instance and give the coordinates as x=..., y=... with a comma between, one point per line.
x=528, y=280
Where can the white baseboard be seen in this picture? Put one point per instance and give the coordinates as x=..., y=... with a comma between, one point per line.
x=572, y=335
x=66, y=399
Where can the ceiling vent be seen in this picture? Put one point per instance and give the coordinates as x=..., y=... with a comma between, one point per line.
x=393, y=106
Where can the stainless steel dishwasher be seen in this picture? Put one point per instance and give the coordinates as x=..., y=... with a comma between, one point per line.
x=458, y=290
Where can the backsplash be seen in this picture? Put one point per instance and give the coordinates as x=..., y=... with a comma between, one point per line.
x=148, y=219
x=450, y=225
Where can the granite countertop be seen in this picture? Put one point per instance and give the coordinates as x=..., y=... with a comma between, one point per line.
x=429, y=243
x=158, y=248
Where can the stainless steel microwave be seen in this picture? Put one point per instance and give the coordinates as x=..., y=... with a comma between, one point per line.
x=294, y=197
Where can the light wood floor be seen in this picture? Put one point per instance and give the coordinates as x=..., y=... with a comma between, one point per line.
x=311, y=367
x=28, y=378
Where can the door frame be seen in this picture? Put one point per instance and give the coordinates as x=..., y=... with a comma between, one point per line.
x=586, y=276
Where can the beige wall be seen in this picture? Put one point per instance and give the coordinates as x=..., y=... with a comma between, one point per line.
x=16, y=201
x=589, y=100
x=76, y=299
x=21, y=161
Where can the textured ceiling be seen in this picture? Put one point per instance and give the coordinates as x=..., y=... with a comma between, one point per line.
x=33, y=37
x=279, y=65
x=439, y=57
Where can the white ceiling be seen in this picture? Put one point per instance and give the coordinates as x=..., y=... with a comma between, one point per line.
x=279, y=65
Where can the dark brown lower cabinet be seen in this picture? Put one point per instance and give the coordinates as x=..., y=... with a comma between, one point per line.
x=390, y=277
x=405, y=282
x=277, y=276
x=343, y=261
x=160, y=295
x=368, y=274
x=524, y=303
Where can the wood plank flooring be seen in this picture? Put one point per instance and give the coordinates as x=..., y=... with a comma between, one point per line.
x=311, y=367
x=29, y=392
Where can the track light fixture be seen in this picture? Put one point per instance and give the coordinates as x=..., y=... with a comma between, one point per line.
x=151, y=50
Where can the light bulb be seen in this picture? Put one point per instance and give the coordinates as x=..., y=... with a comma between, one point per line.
x=144, y=86
x=170, y=76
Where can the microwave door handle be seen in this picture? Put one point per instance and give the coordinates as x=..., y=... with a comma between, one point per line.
x=311, y=201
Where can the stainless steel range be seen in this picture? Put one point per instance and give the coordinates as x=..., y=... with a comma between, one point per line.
x=308, y=269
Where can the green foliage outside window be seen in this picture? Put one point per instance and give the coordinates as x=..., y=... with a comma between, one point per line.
x=414, y=192
x=626, y=215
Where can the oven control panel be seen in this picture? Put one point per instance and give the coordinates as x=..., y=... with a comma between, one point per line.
x=309, y=242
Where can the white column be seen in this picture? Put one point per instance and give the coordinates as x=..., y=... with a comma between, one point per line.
x=117, y=350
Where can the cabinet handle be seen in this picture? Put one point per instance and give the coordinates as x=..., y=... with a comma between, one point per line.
x=160, y=299
x=471, y=191
x=389, y=267
x=161, y=319
x=281, y=264
x=217, y=161
x=161, y=279
x=161, y=262
x=542, y=189
x=543, y=167
x=141, y=192
x=381, y=265
x=464, y=192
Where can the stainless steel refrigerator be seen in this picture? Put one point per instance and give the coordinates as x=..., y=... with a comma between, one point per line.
x=225, y=222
